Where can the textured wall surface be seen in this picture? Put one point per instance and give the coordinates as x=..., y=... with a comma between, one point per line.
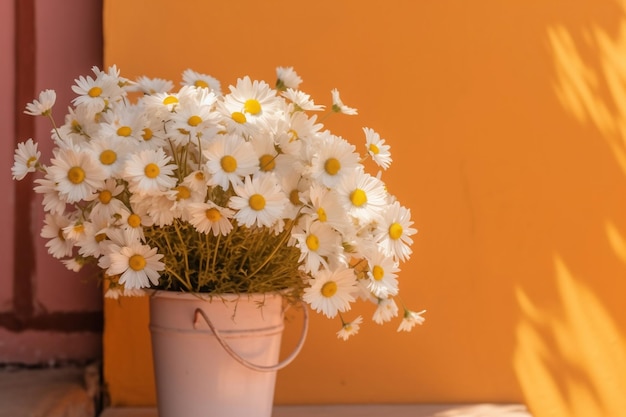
x=506, y=123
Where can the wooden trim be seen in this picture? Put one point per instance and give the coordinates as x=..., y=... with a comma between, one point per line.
x=25, y=79
x=66, y=322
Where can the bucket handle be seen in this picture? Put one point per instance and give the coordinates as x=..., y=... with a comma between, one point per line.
x=246, y=363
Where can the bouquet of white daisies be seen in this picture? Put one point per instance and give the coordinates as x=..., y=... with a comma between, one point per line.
x=205, y=191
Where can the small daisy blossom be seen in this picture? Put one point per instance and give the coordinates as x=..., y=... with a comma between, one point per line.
x=149, y=171
x=330, y=292
x=42, y=106
x=386, y=309
x=229, y=159
x=76, y=174
x=26, y=159
x=209, y=217
x=259, y=201
x=339, y=107
x=377, y=149
x=138, y=265
x=350, y=328
x=286, y=77
x=411, y=318
x=394, y=231
x=198, y=80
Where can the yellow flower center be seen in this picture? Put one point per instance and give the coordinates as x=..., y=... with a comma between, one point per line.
x=76, y=126
x=238, y=117
x=199, y=176
x=378, y=272
x=31, y=161
x=134, y=220
x=108, y=157
x=182, y=193
x=294, y=197
x=137, y=262
x=79, y=228
x=267, y=162
x=256, y=202
x=213, y=214
x=152, y=170
x=228, y=163
x=105, y=196
x=332, y=166
x=312, y=242
x=94, y=92
x=358, y=197
x=321, y=214
x=124, y=131
x=76, y=175
x=374, y=149
x=147, y=134
x=194, y=121
x=252, y=106
x=170, y=100
x=100, y=237
x=395, y=231
x=201, y=84
x=329, y=289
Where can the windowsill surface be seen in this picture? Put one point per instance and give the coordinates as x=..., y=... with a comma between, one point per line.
x=373, y=410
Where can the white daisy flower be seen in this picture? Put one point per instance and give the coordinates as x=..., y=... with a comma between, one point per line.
x=265, y=150
x=149, y=171
x=105, y=202
x=363, y=196
x=286, y=77
x=256, y=100
x=333, y=158
x=209, y=217
x=76, y=174
x=52, y=202
x=394, y=231
x=259, y=201
x=133, y=224
x=111, y=154
x=330, y=292
x=350, y=328
x=377, y=149
x=410, y=319
x=42, y=106
x=382, y=274
x=97, y=93
x=386, y=310
x=58, y=245
x=323, y=205
x=151, y=86
x=301, y=126
x=26, y=159
x=198, y=80
x=94, y=234
x=138, y=265
x=123, y=122
x=158, y=206
x=191, y=122
x=339, y=107
x=301, y=100
x=229, y=159
x=319, y=244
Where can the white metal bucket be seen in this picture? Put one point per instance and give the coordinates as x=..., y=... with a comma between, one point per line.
x=217, y=357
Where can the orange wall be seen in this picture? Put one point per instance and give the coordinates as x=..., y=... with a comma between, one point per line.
x=506, y=121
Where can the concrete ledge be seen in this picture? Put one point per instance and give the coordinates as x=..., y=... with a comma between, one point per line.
x=374, y=410
x=50, y=392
